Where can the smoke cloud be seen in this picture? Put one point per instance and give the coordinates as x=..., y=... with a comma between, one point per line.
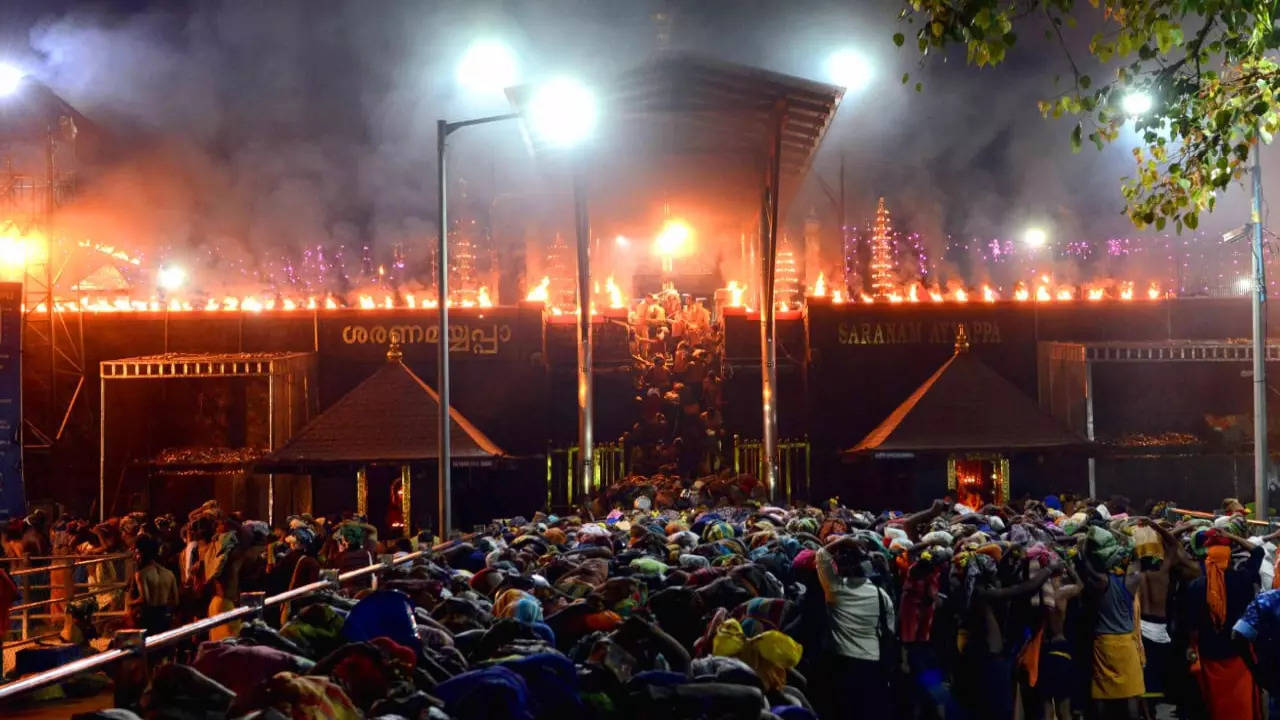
x=274, y=142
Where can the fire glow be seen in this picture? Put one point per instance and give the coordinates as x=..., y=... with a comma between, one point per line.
x=1042, y=290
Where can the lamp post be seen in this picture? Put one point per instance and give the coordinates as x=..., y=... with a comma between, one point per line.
x=560, y=113
x=444, y=129
x=1262, y=506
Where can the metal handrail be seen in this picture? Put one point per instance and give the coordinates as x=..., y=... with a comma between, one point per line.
x=90, y=561
x=169, y=636
x=79, y=596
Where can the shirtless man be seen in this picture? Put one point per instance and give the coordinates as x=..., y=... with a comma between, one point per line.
x=1058, y=675
x=1157, y=645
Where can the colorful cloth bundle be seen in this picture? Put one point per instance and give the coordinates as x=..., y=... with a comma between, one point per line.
x=718, y=530
x=770, y=653
x=1148, y=547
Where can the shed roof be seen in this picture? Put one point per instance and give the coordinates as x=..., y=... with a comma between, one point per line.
x=965, y=405
x=391, y=417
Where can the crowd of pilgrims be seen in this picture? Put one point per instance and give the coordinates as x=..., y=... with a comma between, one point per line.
x=1056, y=608
x=679, y=377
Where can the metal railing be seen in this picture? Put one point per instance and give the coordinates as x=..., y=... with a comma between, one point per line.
x=610, y=468
x=253, y=605
x=59, y=594
x=793, y=464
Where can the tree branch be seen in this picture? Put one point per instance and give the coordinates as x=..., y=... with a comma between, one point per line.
x=1057, y=29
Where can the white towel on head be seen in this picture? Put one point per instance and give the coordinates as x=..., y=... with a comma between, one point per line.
x=895, y=533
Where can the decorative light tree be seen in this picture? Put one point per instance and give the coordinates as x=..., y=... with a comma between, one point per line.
x=883, y=276
x=560, y=268
x=786, y=275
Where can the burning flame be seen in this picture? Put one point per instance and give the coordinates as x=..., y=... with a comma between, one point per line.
x=988, y=295
x=541, y=292
x=735, y=293
x=1126, y=291
x=936, y=295
x=615, y=294
x=482, y=297
x=1153, y=292
x=837, y=297
x=1066, y=294
x=1042, y=294
x=1095, y=294
x=960, y=295
x=912, y=293
x=820, y=286
x=1020, y=293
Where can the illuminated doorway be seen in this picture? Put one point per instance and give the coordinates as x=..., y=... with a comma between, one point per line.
x=978, y=479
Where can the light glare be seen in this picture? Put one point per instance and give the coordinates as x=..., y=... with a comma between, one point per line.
x=674, y=238
x=488, y=65
x=10, y=79
x=563, y=112
x=1136, y=103
x=850, y=69
x=171, y=277
x=1035, y=237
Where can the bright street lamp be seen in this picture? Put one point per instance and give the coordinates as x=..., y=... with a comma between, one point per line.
x=10, y=79
x=488, y=65
x=1136, y=103
x=563, y=112
x=850, y=69
x=1035, y=238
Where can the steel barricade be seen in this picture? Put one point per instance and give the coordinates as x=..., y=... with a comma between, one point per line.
x=59, y=594
x=254, y=603
x=610, y=469
x=793, y=464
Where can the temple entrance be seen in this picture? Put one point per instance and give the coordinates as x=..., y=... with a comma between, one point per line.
x=979, y=479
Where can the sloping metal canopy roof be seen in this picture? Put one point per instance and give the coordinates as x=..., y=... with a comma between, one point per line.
x=689, y=105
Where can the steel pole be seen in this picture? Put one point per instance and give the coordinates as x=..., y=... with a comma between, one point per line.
x=586, y=456
x=768, y=325
x=1260, y=489
x=444, y=482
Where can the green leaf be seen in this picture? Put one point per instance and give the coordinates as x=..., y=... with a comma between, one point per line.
x=919, y=87
x=906, y=77
x=1192, y=220
x=1160, y=223
x=1075, y=138
x=899, y=39
x=1085, y=82
x=936, y=28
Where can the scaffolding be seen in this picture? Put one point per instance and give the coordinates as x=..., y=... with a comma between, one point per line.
x=29, y=204
x=291, y=396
